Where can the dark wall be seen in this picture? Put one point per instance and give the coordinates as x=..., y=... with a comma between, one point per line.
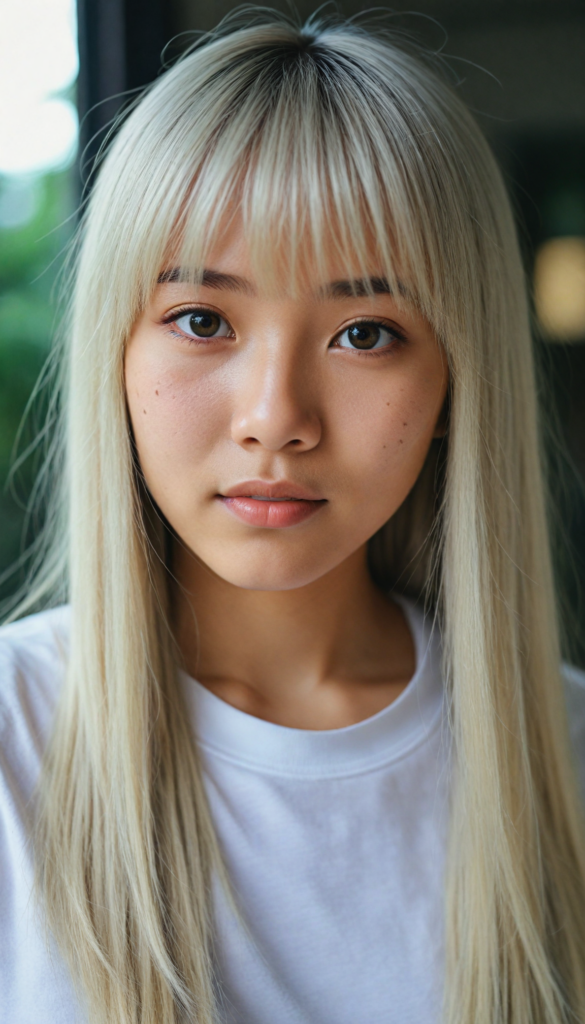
x=521, y=62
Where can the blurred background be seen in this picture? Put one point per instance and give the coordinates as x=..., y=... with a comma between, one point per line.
x=66, y=69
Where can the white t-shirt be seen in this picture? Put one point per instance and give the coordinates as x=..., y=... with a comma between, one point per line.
x=334, y=840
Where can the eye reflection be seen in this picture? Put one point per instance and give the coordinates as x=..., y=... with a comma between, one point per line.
x=203, y=323
x=367, y=336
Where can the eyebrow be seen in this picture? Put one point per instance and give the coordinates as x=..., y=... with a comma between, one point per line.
x=359, y=287
x=210, y=279
x=343, y=289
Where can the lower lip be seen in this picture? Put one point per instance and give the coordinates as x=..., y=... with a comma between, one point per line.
x=273, y=515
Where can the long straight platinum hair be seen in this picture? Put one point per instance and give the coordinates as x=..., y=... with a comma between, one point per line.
x=329, y=138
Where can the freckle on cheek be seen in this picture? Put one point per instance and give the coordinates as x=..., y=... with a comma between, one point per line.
x=156, y=392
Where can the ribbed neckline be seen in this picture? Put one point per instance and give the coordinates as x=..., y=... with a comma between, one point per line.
x=391, y=734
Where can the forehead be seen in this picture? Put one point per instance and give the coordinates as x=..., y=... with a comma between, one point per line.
x=231, y=263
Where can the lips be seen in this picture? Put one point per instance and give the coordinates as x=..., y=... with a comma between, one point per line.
x=273, y=506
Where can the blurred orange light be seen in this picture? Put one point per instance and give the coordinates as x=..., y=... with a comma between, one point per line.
x=559, y=288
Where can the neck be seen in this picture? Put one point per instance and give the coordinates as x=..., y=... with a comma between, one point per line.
x=320, y=656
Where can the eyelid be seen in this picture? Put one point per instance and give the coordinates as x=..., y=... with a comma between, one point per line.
x=380, y=321
x=192, y=307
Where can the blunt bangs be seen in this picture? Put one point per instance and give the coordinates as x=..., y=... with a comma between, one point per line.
x=313, y=143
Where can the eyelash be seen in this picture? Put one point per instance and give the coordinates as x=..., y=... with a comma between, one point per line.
x=399, y=337
x=170, y=319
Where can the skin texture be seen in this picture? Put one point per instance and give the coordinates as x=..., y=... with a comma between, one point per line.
x=284, y=623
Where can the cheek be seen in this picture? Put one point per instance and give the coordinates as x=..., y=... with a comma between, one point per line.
x=386, y=433
x=177, y=419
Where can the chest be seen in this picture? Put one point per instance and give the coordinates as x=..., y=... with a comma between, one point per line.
x=340, y=885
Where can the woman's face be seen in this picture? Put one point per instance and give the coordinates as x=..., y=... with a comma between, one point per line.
x=277, y=435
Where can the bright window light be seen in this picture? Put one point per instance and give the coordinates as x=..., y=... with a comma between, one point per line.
x=38, y=61
x=559, y=288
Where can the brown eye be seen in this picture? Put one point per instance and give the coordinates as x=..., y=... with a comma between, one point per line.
x=203, y=323
x=366, y=336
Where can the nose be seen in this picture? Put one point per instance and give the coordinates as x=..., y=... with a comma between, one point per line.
x=275, y=408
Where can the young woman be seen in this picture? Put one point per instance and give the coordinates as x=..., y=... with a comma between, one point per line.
x=302, y=469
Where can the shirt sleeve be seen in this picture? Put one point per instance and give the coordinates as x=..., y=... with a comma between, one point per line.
x=34, y=982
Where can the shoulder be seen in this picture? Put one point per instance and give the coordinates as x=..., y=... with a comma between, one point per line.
x=33, y=654
x=574, y=679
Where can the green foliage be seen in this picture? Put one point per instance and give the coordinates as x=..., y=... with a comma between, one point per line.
x=31, y=256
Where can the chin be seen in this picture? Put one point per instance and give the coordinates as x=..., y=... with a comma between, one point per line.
x=262, y=571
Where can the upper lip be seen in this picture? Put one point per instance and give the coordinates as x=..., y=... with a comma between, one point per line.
x=266, y=489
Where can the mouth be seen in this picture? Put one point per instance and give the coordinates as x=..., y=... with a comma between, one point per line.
x=273, y=506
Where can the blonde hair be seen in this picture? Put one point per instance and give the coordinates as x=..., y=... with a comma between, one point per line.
x=301, y=129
